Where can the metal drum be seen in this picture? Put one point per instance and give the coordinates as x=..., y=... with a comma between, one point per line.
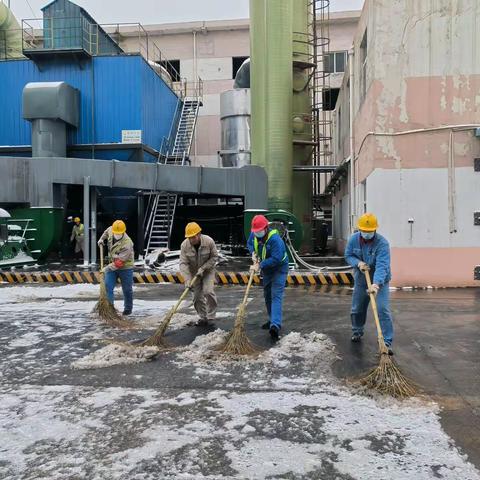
x=235, y=121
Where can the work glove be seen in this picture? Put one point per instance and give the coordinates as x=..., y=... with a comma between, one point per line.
x=255, y=258
x=373, y=289
x=100, y=243
x=363, y=267
x=255, y=268
x=200, y=272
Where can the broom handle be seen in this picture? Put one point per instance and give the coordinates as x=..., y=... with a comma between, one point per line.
x=101, y=256
x=373, y=301
x=250, y=281
x=184, y=294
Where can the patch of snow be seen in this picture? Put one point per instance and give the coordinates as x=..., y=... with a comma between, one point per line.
x=27, y=340
x=116, y=354
x=21, y=293
x=203, y=346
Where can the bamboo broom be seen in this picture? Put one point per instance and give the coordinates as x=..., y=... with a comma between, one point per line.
x=104, y=309
x=387, y=377
x=157, y=339
x=237, y=342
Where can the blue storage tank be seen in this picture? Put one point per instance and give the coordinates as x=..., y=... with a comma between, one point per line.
x=119, y=92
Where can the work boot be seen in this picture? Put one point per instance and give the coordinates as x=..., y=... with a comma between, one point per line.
x=266, y=325
x=390, y=351
x=274, y=333
x=127, y=312
x=356, y=338
x=201, y=322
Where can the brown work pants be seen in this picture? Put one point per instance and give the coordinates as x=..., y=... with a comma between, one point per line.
x=204, y=298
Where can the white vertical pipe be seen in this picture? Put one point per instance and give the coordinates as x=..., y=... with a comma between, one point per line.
x=86, y=221
x=352, y=140
x=195, y=79
x=93, y=223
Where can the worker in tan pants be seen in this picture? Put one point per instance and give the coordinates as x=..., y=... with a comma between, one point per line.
x=199, y=256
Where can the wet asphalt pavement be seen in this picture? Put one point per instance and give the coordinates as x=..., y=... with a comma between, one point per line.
x=436, y=344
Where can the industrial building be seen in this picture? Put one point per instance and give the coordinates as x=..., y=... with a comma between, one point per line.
x=407, y=120
x=372, y=114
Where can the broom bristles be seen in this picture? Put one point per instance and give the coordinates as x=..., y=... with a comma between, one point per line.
x=108, y=313
x=157, y=339
x=389, y=380
x=237, y=342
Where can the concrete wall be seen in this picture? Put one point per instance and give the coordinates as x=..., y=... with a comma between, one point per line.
x=423, y=72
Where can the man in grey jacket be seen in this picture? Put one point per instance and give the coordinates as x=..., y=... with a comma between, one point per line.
x=199, y=256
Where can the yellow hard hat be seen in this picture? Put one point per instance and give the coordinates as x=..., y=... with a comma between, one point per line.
x=367, y=222
x=119, y=227
x=76, y=219
x=192, y=229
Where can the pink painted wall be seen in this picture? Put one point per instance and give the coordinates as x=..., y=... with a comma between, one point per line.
x=439, y=267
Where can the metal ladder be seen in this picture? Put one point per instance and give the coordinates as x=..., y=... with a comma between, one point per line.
x=159, y=225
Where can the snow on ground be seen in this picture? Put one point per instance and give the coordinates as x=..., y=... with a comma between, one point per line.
x=116, y=354
x=280, y=415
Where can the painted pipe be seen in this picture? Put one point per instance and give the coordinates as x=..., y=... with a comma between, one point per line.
x=258, y=80
x=10, y=34
x=278, y=109
x=353, y=162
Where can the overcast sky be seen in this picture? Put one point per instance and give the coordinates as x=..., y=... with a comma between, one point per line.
x=158, y=11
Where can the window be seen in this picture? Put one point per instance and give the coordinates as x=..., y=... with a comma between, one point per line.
x=173, y=68
x=236, y=64
x=335, y=62
x=329, y=98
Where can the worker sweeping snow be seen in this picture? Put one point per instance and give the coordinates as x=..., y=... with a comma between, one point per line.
x=269, y=255
x=78, y=235
x=368, y=250
x=198, y=257
x=120, y=266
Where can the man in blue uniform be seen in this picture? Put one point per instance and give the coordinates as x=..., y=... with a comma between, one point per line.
x=269, y=255
x=368, y=250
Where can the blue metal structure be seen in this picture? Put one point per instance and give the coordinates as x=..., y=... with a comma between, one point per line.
x=120, y=92
x=67, y=26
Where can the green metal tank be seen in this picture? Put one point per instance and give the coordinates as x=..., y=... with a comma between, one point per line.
x=44, y=229
x=10, y=34
x=278, y=109
x=257, y=80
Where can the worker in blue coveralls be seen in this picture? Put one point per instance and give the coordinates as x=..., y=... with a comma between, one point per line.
x=368, y=250
x=269, y=255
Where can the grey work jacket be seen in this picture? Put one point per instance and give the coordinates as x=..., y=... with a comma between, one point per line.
x=192, y=260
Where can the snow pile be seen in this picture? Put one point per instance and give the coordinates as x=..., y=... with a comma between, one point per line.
x=311, y=348
x=116, y=354
x=18, y=294
x=179, y=321
x=203, y=346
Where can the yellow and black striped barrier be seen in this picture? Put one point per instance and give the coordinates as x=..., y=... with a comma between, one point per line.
x=223, y=278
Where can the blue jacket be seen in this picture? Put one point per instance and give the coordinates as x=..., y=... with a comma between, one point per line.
x=376, y=254
x=275, y=253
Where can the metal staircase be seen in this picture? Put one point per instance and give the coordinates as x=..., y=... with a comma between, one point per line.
x=163, y=205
